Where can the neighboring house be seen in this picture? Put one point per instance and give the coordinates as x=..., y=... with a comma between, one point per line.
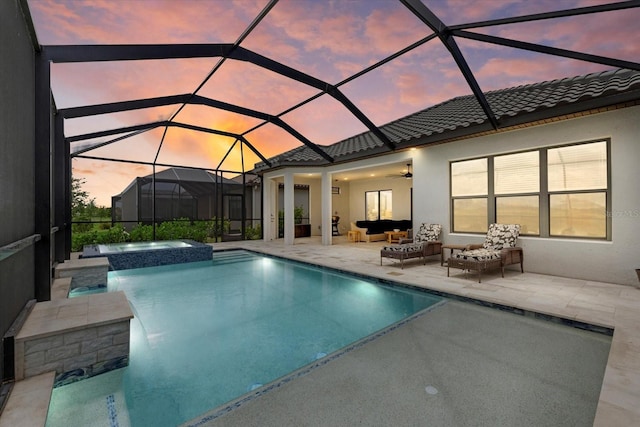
x=182, y=193
x=563, y=162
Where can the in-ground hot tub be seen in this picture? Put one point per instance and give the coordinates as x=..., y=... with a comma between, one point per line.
x=123, y=256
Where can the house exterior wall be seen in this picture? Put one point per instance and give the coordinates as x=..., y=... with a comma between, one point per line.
x=17, y=159
x=612, y=261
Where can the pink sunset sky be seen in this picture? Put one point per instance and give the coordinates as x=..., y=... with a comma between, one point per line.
x=330, y=40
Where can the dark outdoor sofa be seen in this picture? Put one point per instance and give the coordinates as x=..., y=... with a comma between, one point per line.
x=375, y=229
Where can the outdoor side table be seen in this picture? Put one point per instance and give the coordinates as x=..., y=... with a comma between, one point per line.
x=395, y=236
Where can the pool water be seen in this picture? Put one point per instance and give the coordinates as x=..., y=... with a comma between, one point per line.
x=205, y=333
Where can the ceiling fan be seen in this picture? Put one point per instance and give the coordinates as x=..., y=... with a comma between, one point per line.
x=407, y=175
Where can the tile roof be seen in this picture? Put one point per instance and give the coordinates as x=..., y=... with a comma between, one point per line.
x=191, y=175
x=463, y=115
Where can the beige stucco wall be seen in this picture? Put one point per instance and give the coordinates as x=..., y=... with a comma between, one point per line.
x=609, y=261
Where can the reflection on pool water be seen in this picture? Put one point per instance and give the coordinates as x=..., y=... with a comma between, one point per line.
x=205, y=333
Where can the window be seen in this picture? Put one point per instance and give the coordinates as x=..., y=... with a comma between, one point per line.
x=469, y=180
x=551, y=192
x=378, y=205
x=470, y=215
x=581, y=215
x=523, y=210
x=578, y=190
x=516, y=180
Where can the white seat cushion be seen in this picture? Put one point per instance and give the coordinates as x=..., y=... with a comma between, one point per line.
x=477, y=255
x=405, y=247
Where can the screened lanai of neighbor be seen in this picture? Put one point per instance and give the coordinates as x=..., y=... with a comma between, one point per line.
x=425, y=111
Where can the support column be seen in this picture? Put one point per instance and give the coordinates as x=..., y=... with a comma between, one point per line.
x=289, y=205
x=269, y=213
x=43, y=187
x=67, y=200
x=60, y=182
x=327, y=208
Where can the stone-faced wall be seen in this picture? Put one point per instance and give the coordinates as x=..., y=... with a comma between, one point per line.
x=76, y=337
x=78, y=354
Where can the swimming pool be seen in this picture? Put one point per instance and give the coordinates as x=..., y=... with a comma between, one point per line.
x=205, y=333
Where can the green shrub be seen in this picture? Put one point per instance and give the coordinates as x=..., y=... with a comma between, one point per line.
x=141, y=233
x=217, y=228
x=79, y=239
x=169, y=230
x=200, y=230
x=298, y=213
x=81, y=228
x=115, y=234
x=253, y=233
x=182, y=228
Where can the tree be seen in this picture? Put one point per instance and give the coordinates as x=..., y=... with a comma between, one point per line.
x=80, y=200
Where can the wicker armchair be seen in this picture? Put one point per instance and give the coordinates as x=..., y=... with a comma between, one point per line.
x=425, y=243
x=499, y=249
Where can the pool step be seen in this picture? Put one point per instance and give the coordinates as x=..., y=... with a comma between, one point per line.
x=231, y=257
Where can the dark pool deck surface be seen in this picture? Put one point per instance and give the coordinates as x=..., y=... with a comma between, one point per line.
x=455, y=365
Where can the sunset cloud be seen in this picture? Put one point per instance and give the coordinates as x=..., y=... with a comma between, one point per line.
x=273, y=141
x=324, y=121
x=141, y=22
x=253, y=87
x=94, y=172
